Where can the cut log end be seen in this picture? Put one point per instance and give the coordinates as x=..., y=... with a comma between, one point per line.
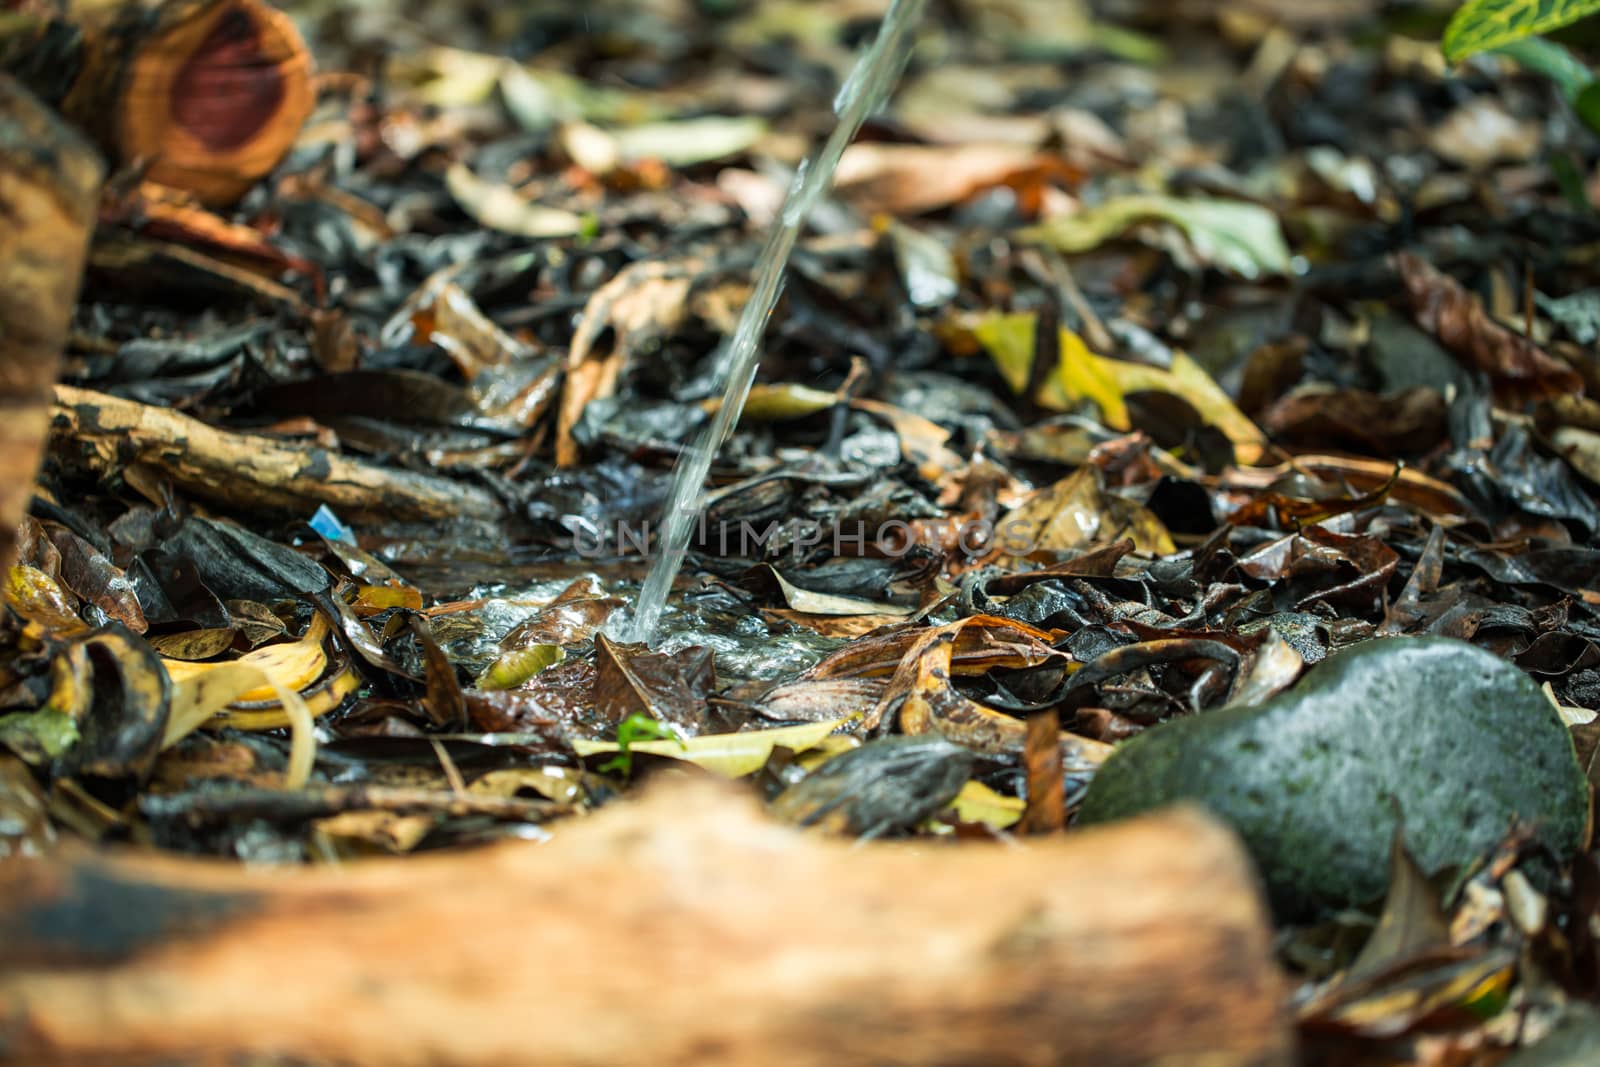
x=207, y=95
x=215, y=99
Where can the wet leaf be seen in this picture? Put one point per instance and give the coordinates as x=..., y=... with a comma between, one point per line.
x=776, y=403
x=982, y=644
x=96, y=580
x=1078, y=375
x=816, y=700
x=235, y=563
x=631, y=679
x=884, y=786
x=1412, y=921
x=927, y=269
x=194, y=644
x=902, y=180
x=37, y=597
x=512, y=668
x=812, y=603
x=929, y=703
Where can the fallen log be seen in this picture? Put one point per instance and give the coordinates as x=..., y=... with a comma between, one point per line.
x=684, y=928
x=49, y=182
x=110, y=436
x=209, y=94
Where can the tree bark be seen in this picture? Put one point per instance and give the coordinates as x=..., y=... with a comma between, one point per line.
x=49, y=183
x=208, y=94
x=684, y=928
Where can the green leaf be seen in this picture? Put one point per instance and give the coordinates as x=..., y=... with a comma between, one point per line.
x=1231, y=235
x=511, y=669
x=1484, y=24
x=1587, y=105
x=633, y=732
x=1569, y=73
x=38, y=736
x=730, y=755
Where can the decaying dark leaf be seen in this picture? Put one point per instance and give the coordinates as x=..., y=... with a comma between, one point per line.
x=882, y=787
x=1463, y=325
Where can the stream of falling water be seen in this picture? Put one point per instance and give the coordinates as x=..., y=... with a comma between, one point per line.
x=864, y=92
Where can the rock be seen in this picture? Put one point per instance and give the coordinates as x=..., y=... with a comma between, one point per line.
x=1446, y=735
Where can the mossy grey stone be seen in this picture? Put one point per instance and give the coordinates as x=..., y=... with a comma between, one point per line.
x=1456, y=741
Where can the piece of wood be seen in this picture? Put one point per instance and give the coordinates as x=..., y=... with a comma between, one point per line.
x=1046, y=812
x=684, y=928
x=49, y=183
x=209, y=95
x=114, y=437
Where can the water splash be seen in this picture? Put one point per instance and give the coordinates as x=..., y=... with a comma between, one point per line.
x=864, y=92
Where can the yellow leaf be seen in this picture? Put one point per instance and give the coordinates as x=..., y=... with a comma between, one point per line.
x=779, y=401
x=730, y=755
x=203, y=690
x=515, y=666
x=1008, y=338
x=1188, y=380
x=293, y=664
x=978, y=803
x=1082, y=375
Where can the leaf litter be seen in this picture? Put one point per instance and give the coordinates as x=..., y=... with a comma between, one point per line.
x=1106, y=391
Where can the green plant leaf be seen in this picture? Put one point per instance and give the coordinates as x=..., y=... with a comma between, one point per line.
x=1569, y=73
x=1587, y=105
x=1484, y=24
x=636, y=731
x=730, y=755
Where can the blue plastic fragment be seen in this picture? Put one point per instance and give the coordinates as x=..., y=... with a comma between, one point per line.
x=326, y=523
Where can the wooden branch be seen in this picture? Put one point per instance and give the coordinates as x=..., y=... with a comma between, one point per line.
x=107, y=434
x=49, y=182
x=684, y=928
x=210, y=94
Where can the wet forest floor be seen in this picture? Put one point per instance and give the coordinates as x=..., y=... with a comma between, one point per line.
x=1145, y=356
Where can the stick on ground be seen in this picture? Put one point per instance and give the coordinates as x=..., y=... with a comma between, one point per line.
x=106, y=434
